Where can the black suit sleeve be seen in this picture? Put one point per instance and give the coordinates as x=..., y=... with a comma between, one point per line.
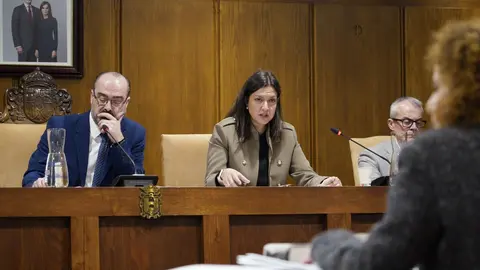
x=17, y=41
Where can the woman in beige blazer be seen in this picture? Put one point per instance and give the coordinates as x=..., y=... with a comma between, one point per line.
x=253, y=146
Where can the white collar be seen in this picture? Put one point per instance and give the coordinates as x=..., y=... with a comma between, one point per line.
x=94, y=130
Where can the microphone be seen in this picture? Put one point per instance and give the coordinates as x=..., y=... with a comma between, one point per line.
x=105, y=128
x=134, y=180
x=338, y=132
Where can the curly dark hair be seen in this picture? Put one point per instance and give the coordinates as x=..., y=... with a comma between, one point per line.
x=455, y=56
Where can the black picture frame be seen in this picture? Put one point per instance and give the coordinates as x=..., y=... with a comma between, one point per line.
x=75, y=70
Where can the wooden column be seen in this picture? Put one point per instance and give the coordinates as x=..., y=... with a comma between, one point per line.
x=85, y=243
x=339, y=221
x=216, y=239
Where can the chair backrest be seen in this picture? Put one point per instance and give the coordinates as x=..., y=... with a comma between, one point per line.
x=184, y=159
x=355, y=151
x=17, y=143
x=27, y=108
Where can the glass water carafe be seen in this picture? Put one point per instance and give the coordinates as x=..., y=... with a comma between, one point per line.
x=56, y=169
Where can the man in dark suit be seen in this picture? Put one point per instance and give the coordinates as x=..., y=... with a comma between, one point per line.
x=25, y=19
x=94, y=157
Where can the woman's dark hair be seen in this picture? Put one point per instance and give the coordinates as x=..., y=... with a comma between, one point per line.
x=49, y=9
x=239, y=111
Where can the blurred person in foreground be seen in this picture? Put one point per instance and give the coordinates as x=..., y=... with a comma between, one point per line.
x=431, y=219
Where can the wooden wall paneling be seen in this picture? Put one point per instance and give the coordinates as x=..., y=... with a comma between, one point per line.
x=364, y=222
x=273, y=36
x=27, y=241
x=357, y=75
x=177, y=239
x=339, y=221
x=101, y=49
x=398, y=3
x=250, y=233
x=420, y=24
x=168, y=53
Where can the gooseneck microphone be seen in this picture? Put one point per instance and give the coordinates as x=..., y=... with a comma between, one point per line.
x=105, y=128
x=338, y=132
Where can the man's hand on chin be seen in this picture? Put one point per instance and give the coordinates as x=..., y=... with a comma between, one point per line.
x=113, y=126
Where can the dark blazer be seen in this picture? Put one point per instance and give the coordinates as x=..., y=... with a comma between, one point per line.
x=24, y=29
x=47, y=39
x=432, y=218
x=77, y=143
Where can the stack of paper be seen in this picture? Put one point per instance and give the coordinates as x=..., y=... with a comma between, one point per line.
x=218, y=267
x=288, y=251
x=252, y=259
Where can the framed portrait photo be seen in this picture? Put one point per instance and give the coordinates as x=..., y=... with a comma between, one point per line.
x=45, y=34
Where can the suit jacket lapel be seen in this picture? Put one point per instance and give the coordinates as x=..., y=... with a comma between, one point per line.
x=82, y=141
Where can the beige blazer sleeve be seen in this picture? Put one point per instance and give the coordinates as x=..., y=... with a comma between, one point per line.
x=300, y=169
x=217, y=155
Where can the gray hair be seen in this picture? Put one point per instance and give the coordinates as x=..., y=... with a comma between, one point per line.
x=394, y=107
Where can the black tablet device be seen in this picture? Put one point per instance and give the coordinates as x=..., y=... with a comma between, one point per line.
x=135, y=180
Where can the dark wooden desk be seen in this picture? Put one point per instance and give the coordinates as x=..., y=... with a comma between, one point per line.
x=101, y=228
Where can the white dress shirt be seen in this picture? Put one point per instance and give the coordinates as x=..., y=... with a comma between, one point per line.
x=94, y=146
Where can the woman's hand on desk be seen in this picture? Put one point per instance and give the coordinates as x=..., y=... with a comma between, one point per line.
x=232, y=178
x=331, y=181
x=40, y=182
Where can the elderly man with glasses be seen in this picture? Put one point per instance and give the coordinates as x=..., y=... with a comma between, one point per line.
x=405, y=123
x=93, y=139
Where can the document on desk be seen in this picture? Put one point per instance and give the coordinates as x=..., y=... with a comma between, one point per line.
x=252, y=259
x=288, y=251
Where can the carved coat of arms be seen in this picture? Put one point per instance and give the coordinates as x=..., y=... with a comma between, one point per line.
x=35, y=100
x=150, y=202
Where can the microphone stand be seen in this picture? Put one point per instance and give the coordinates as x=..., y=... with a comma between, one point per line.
x=105, y=128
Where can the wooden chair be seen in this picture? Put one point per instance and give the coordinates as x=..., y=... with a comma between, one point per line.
x=184, y=161
x=27, y=108
x=355, y=151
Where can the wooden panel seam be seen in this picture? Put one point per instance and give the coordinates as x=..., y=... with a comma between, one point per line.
x=339, y=221
x=118, y=33
x=312, y=95
x=92, y=243
x=77, y=232
x=217, y=68
x=216, y=239
x=85, y=243
x=403, y=77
